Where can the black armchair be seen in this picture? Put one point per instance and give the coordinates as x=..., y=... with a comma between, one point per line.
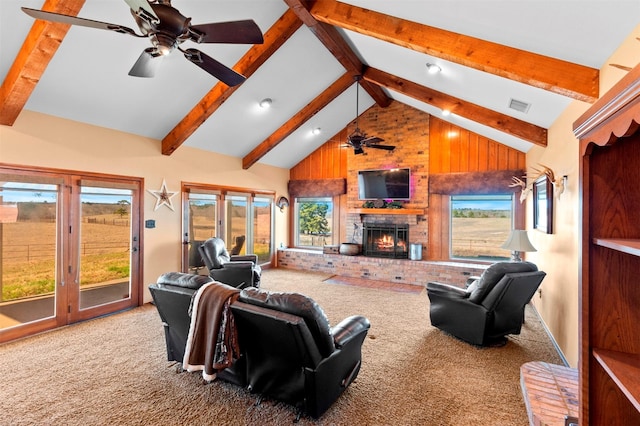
x=290, y=351
x=173, y=294
x=490, y=308
x=287, y=349
x=237, y=271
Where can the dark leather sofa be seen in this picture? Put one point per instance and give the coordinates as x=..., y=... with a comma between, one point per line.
x=289, y=352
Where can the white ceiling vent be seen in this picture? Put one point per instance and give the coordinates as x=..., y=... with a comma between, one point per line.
x=519, y=105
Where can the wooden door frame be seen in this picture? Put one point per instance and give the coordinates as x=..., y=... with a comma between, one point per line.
x=64, y=248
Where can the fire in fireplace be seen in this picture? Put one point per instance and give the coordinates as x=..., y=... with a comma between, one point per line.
x=385, y=240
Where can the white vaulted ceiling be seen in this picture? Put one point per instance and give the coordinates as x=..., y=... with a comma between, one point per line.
x=87, y=81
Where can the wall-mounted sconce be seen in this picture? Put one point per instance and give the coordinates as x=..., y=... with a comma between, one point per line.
x=282, y=203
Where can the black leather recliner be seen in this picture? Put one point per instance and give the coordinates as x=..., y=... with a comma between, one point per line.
x=292, y=354
x=173, y=294
x=288, y=351
x=238, y=271
x=490, y=308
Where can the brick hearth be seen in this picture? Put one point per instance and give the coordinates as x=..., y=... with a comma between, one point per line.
x=416, y=272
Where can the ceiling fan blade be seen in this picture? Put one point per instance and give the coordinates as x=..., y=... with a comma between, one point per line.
x=241, y=32
x=213, y=67
x=74, y=20
x=386, y=147
x=372, y=140
x=147, y=63
x=143, y=9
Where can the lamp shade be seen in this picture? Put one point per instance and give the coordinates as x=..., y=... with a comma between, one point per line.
x=518, y=241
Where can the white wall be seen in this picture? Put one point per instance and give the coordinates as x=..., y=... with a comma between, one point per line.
x=559, y=253
x=45, y=141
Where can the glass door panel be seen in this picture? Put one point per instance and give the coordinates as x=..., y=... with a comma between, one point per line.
x=236, y=223
x=262, y=226
x=105, y=246
x=28, y=254
x=202, y=220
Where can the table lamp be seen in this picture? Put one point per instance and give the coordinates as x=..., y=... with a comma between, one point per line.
x=517, y=242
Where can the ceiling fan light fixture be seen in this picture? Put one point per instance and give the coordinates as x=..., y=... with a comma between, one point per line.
x=163, y=43
x=433, y=68
x=266, y=103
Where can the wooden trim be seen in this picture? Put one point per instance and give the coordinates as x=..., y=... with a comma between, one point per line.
x=331, y=38
x=257, y=55
x=32, y=60
x=555, y=75
x=613, y=115
x=496, y=120
x=301, y=117
x=191, y=186
x=388, y=211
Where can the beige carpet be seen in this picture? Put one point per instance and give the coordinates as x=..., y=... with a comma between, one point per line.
x=113, y=371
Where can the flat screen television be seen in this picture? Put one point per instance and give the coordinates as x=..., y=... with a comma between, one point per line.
x=388, y=184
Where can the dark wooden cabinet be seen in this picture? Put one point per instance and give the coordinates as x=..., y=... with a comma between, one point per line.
x=609, y=364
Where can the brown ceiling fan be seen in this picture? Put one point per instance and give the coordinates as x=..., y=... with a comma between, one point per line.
x=358, y=140
x=167, y=29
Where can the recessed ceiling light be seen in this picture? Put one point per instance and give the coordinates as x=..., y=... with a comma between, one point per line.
x=266, y=103
x=316, y=131
x=433, y=69
x=446, y=112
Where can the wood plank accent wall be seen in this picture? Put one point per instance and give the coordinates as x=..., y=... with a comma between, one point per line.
x=457, y=150
x=454, y=149
x=327, y=162
x=446, y=149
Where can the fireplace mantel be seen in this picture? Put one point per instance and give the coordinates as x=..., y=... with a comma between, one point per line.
x=388, y=211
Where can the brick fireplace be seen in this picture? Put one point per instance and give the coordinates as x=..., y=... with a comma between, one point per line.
x=408, y=130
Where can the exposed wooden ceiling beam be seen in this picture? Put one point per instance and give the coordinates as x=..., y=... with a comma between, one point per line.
x=487, y=117
x=562, y=77
x=298, y=119
x=257, y=55
x=336, y=44
x=36, y=52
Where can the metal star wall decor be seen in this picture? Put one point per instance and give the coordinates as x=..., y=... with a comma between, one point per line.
x=163, y=196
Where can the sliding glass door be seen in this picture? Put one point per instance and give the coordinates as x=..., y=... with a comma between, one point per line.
x=201, y=223
x=105, y=245
x=262, y=225
x=244, y=220
x=69, y=249
x=30, y=223
x=237, y=226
